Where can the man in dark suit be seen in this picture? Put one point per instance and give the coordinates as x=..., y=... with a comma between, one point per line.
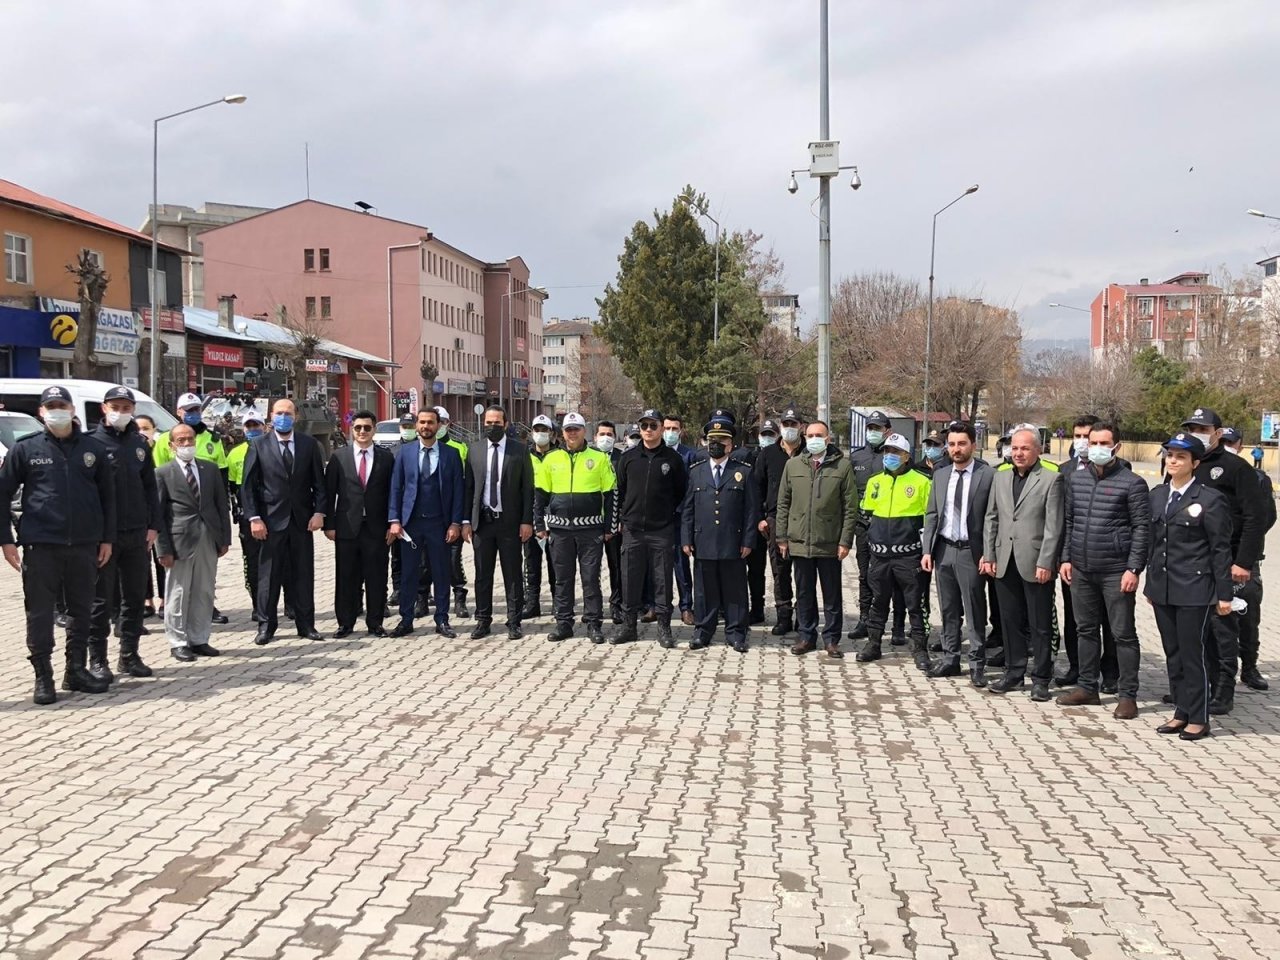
x=427, y=508
x=718, y=530
x=953, y=551
x=499, y=505
x=358, y=489
x=284, y=499
x=194, y=531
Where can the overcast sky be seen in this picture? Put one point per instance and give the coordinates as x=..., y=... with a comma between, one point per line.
x=546, y=128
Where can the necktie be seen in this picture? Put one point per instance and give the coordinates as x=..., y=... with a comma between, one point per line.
x=1174, y=497
x=957, y=505
x=717, y=476
x=364, y=468
x=494, y=503
x=192, y=482
x=288, y=457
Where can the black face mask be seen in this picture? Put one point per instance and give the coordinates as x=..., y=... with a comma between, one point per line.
x=495, y=433
x=716, y=449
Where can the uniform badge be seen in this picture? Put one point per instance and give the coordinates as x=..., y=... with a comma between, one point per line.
x=911, y=492
x=591, y=464
x=1199, y=412
x=90, y=459
x=140, y=453
x=666, y=468
x=1195, y=509
x=1215, y=473
x=738, y=476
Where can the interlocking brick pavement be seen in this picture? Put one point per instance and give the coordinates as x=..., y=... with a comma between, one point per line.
x=427, y=798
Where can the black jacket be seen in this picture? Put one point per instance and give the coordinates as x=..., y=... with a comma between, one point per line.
x=1191, y=549
x=68, y=490
x=866, y=461
x=350, y=508
x=276, y=496
x=1235, y=479
x=1108, y=520
x=137, y=500
x=651, y=487
x=767, y=473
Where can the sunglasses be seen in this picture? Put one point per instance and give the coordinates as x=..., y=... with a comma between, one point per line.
x=649, y=426
x=358, y=428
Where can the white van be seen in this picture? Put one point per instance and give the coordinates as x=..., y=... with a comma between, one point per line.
x=23, y=395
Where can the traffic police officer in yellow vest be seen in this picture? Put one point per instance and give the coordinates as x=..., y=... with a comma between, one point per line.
x=254, y=426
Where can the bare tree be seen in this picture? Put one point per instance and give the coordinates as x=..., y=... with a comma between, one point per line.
x=975, y=345
x=605, y=392
x=877, y=339
x=306, y=331
x=1105, y=384
x=1229, y=338
x=91, y=285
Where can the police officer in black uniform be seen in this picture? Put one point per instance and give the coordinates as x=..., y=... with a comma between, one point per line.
x=1251, y=592
x=606, y=442
x=718, y=530
x=67, y=528
x=122, y=580
x=867, y=461
x=777, y=446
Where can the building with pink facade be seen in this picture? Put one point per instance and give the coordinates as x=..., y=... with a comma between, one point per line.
x=393, y=289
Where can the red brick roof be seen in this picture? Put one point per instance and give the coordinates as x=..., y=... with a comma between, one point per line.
x=21, y=196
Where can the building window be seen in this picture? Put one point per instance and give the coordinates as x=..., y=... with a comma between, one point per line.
x=1144, y=330
x=1269, y=268
x=324, y=258
x=424, y=308
x=311, y=308
x=1146, y=306
x=326, y=308
x=17, y=258
x=309, y=259
x=95, y=257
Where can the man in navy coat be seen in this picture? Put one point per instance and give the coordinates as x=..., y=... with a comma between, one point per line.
x=718, y=529
x=426, y=507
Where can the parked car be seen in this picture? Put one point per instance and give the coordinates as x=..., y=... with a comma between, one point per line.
x=13, y=427
x=387, y=434
x=23, y=395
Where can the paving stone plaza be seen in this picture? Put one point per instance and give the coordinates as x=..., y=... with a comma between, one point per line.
x=421, y=797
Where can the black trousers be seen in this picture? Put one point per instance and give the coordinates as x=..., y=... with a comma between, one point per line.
x=1098, y=599
x=457, y=576
x=1183, y=632
x=577, y=552
x=1071, y=641
x=886, y=571
x=360, y=567
x=684, y=577
x=811, y=572
x=535, y=555
x=755, y=575
x=287, y=554
x=51, y=571
x=1026, y=612
x=424, y=582
x=647, y=552
x=613, y=556
x=780, y=568
x=122, y=589
x=862, y=552
x=1250, y=621
x=491, y=544
x=720, y=584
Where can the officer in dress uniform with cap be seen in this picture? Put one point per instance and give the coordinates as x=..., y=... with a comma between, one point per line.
x=718, y=530
x=67, y=528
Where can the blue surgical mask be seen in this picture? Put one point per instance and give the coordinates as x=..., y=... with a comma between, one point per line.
x=816, y=445
x=1100, y=456
x=192, y=418
x=283, y=423
x=767, y=441
x=252, y=434
x=671, y=437
x=892, y=461
x=875, y=437
x=933, y=454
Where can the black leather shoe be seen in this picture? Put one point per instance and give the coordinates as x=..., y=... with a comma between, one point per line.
x=144, y=632
x=1168, y=728
x=996, y=659
x=61, y=620
x=1167, y=698
x=1109, y=687
x=943, y=669
x=311, y=634
x=935, y=647
x=376, y=632
x=343, y=633
x=182, y=653
x=421, y=607
x=561, y=631
x=665, y=640
x=289, y=612
x=218, y=616
x=1185, y=735
x=530, y=611
x=263, y=636
x=898, y=640
x=403, y=628
x=923, y=663
x=699, y=643
x=1040, y=691
x=595, y=635
x=204, y=650
x=869, y=652
x=1252, y=679
x=1068, y=679
x=515, y=633
x=740, y=646
x=480, y=632
x=978, y=676
x=1006, y=683
x=446, y=631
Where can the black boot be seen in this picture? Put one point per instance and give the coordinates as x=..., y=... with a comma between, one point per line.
x=98, y=668
x=460, y=604
x=532, y=609
x=1224, y=695
x=129, y=662
x=665, y=640
x=783, y=626
x=44, y=692
x=860, y=631
x=628, y=633
x=870, y=650
x=78, y=678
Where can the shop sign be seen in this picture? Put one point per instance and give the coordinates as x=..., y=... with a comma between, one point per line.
x=321, y=365
x=519, y=344
x=480, y=388
x=438, y=386
x=520, y=387
x=220, y=356
x=117, y=329
x=171, y=321
x=460, y=387
x=271, y=362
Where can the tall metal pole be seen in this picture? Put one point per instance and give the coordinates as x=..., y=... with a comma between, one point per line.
x=824, y=229
x=928, y=326
x=155, y=255
x=716, y=328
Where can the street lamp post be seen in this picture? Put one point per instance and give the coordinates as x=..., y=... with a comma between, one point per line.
x=155, y=245
x=703, y=212
x=506, y=333
x=1259, y=213
x=928, y=325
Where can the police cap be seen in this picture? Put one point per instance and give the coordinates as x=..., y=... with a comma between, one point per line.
x=1188, y=442
x=118, y=393
x=1203, y=417
x=55, y=394
x=791, y=413
x=769, y=427
x=651, y=414
x=878, y=418
x=408, y=420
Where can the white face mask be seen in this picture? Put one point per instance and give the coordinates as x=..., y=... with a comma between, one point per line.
x=185, y=454
x=442, y=431
x=541, y=438
x=408, y=435
x=767, y=441
x=790, y=434
x=1080, y=446
x=119, y=419
x=604, y=444
x=1205, y=438
x=671, y=437
x=59, y=420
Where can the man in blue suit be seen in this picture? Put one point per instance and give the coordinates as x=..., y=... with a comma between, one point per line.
x=426, y=506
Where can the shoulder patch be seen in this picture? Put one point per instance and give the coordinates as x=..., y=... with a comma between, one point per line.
x=140, y=454
x=1216, y=472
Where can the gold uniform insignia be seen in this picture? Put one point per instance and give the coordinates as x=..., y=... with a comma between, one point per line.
x=738, y=476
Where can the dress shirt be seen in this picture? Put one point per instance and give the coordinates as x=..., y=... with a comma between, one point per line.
x=432, y=457
x=488, y=461
x=189, y=470
x=957, y=528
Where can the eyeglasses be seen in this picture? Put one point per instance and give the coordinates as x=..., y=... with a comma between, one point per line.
x=360, y=428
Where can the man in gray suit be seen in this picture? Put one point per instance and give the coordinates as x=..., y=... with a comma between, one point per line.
x=195, y=530
x=1023, y=535
x=952, y=540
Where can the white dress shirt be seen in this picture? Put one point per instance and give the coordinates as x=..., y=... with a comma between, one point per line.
x=957, y=528
x=488, y=460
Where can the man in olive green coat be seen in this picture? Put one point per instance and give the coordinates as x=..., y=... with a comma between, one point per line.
x=817, y=512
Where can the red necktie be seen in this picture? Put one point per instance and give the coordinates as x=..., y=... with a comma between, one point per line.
x=364, y=475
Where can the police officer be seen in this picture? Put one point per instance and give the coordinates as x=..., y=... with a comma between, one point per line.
x=541, y=442
x=651, y=477
x=457, y=576
x=573, y=506
x=67, y=528
x=894, y=506
x=254, y=426
x=209, y=447
x=122, y=580
x=777, y=446
x=934, y=453
x=718, y=531
x=867, y=461
x=607, y=443
x=1251, y=592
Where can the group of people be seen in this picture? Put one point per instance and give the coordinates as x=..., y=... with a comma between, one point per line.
x=99, y=505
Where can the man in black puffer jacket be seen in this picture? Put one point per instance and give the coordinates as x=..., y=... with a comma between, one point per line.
x=1104, y=549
